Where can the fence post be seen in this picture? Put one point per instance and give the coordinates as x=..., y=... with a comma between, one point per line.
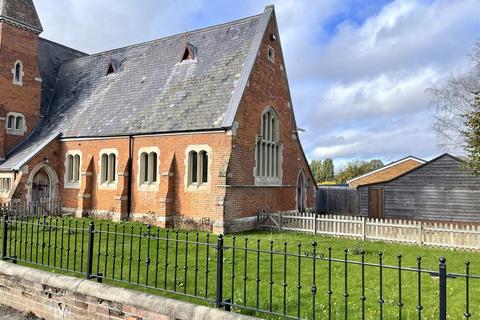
x=280, y=220
x=442, y=273
x=364, y=228
x=4, y=239
x=91, y=232
x=219, y=294
x=315, y=217
x=420, y=233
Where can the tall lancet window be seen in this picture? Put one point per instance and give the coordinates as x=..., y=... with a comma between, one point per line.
x=18, y=73
x=268, y=150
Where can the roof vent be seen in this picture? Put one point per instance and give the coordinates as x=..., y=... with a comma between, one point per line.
x=189, y=52
x=113, y=67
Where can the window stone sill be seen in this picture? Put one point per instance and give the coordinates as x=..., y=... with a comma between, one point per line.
x=268, y=181
x=108, y=186
x=148, y=187
x=203, y=187
x=72, y=185
x=15, y=132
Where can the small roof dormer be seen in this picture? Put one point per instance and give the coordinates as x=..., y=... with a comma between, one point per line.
x=20, y=13
x=113, y=66
x=189, y=52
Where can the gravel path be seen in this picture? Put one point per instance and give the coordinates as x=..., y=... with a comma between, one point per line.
x=7, y=313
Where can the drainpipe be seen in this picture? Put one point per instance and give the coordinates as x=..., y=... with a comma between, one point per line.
x=129, y=184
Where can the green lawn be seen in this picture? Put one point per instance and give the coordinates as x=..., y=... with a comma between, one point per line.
x=141, y=265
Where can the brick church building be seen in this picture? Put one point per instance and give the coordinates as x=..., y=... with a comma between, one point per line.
x=196, y=126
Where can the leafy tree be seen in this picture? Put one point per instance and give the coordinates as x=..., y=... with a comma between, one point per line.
x=472, y=134
x=328, y=170
x=357, y=168
x=323, y=171
x=453, y=101
x=316, y=166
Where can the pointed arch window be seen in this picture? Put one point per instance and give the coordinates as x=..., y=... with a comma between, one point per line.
x=108, y=168
x=197, y=166
x=72, y=169
x=148, y=167
x=18, y=73
x=268, y=150
x=5, y=186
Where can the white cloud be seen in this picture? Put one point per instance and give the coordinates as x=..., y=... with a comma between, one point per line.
x=404, y=35
x=386, y=95
x=388, y=141
x=99, y=25
x=359, y=90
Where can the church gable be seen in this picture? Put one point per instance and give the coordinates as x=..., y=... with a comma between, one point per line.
x=20, y=13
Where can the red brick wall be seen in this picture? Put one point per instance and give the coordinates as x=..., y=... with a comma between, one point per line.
x=202, y=203
x=267, y=87
x=205, y=203
x=229, y=192
x=53, y=296
x=18, y=44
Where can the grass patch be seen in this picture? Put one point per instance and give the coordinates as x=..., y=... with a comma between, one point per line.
x=148, y=264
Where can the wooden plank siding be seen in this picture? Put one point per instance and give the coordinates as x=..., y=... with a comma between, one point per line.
x=338, y=200
x=441, y=190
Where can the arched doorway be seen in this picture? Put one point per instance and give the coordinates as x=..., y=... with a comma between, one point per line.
x=42, y=183
x=301, y=192
x=41, y=186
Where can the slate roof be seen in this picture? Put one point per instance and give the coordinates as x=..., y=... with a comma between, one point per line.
x=51, y=55
x=20, y=12
x=152, y=91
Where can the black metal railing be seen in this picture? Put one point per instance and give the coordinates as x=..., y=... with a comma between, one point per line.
x=32, y=208
x=257, y=277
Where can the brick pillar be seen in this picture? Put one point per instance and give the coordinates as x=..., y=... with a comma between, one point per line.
x=84, y=201
x=2, y=138
x=167, y=191
x=121, y=199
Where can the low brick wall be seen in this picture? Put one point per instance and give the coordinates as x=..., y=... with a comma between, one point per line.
x=53, y=296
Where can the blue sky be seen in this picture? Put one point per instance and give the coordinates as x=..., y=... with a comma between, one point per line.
x=358, y=69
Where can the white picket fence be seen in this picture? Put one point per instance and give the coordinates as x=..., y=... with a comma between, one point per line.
x=446, y=235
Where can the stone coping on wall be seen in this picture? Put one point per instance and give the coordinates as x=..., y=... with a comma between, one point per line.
x=55, y=296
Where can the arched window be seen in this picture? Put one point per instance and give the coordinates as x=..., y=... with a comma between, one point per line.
x=193, y=165
x=112, y=170
x=198, y=167
x=268, y=150
x=204, y=166
x=152, y=167
x=108, y=168
x=72, y=169
x=15, y=123
x=144, y=167
x=148, y=167
x=5, y=185
x=11, y=122
x=104, y=168
x=18, y=123
x=17, y=73
x=76, y=168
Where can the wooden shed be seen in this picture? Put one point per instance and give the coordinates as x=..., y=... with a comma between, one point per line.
x=387, y=172
x=441, y=190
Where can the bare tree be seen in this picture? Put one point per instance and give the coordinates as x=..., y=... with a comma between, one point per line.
x=453, y=101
